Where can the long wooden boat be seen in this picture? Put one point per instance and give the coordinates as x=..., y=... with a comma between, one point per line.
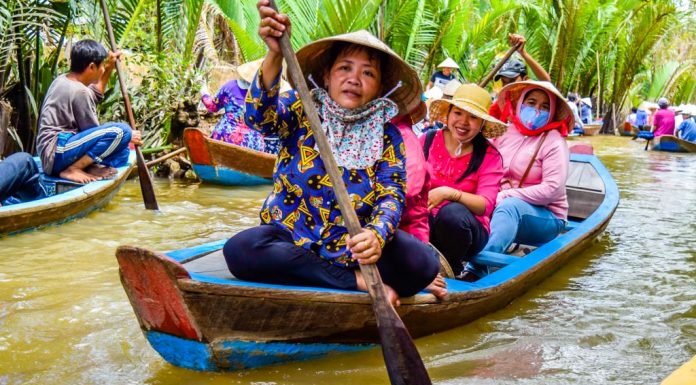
x=671, y=143
x=684, y=375
x=64, y=206
x=196, y=315
x=227, y=164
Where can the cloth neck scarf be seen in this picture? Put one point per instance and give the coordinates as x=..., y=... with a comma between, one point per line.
x=356, y=136
x=508, y=114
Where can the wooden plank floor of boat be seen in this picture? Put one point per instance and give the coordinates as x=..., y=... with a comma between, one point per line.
x=212, y=265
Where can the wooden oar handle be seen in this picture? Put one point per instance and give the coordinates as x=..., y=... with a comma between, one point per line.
x=121, y=81
x=498, y=66
x=146, y=187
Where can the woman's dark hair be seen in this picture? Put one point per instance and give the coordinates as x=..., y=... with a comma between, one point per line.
x=343, y=47
x=85, y=52
x=634, y=109
x=481, y=145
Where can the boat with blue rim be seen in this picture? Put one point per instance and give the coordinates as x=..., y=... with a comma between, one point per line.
x=218, y=162
x=671, y=143
x=196, y=315
x=67, y=200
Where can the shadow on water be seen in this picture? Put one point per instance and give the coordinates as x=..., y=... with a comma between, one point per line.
x=622, y=311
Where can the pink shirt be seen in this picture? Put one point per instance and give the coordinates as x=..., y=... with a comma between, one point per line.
x=664, y=122
x=545, y=183
x=446, y=169
x=414, y=218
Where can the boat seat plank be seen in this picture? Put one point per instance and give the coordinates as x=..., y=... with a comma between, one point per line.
x=212, y=265
x=492, y=259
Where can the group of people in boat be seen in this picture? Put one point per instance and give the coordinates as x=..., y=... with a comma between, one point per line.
x=663, y=119
x=493, y=173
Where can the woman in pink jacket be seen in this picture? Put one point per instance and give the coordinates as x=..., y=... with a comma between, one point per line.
x=466, y=173
x=531, y=207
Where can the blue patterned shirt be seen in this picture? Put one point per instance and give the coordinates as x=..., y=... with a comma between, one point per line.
x=302, y=200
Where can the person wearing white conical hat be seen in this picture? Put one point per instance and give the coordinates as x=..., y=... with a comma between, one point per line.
x=687, y=128
x=443, y=75
x=360, y=85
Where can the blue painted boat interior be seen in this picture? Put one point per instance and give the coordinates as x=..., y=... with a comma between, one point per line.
x=86, y=189
x=510, y=266
x=227, y=177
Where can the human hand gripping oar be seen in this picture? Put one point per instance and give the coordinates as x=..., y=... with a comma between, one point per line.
x=403, y=362
x=143, y=174
x=498, y=66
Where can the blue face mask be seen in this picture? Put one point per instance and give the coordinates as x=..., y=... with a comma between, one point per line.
x=533, y=118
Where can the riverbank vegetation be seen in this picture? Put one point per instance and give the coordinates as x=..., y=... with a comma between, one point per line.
x=617, y=52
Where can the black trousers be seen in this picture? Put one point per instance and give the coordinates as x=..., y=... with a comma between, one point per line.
x=268, y=254
x=457, y=233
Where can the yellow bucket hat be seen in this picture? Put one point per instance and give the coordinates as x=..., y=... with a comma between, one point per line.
x=476, y=101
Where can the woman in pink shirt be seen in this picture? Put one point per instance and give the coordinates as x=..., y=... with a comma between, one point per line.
x=531, y=207
x=414, y=217
x=466, y=173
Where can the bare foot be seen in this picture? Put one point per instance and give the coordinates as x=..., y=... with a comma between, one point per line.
x=392, y=295
x=101, y=172
x=76, y=175
x=438, y=287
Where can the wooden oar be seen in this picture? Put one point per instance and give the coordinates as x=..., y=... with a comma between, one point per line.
x=143, y=174
x=498, y=66
x=403, y=362
x=165, y=157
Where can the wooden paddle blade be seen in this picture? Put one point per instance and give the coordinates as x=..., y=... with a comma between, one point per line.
x=145, y=179
x=404, y=364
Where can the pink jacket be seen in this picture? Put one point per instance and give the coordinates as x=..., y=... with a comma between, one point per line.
x=446, y=169
x=414, y=218
x=545, y=183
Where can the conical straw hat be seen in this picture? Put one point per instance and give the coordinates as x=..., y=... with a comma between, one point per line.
x=314, y=60
x=513, y=91
x=449, y=63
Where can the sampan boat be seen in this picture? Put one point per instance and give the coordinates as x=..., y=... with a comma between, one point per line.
x=218, y=162
x=671, y=143
x=71, y=201
x=196, y=315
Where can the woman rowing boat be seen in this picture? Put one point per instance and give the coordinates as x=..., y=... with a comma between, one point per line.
x=302, y=239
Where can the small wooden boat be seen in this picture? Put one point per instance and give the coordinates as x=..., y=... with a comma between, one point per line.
x=73, y=201
x=196, y=315
x=591, y=129
x=684, y=375
x=227, y=164
x=673, y=144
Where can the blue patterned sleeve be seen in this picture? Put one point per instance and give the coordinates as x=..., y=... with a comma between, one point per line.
x=271, y=112
x=390, y=186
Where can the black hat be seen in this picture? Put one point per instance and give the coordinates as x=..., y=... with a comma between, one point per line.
x=512, y=69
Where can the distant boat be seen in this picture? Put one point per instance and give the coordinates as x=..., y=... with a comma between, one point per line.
x=72, y=201
x=196, y=315
x=218, y=162
x=673, y=144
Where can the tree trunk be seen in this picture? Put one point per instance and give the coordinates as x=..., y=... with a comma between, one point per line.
x=5, y=113
x=608, y=123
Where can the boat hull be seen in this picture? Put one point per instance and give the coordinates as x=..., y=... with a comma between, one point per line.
x=226, y=164
x=224, y=324
x=62, y=207
x=671, y=143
